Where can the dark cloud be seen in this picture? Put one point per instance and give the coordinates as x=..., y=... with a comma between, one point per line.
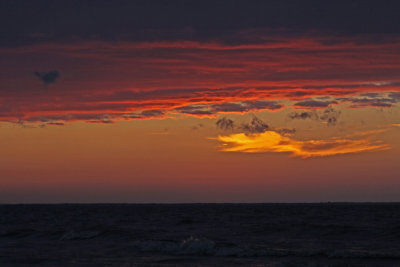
x=371, y=100
x=303, y=115
x=93, y=118
x=153, y=113
x=314, y=104
x=286, y=131
x=66, y=117
x=239, y=106
x=225, y=124
x=48, y=77
x=262, y=104
x=199, y=110
x=229, y=107
x=56, y=123
x=255, y=126
x=329, y=115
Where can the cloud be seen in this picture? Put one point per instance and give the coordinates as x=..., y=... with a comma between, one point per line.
x=314, y=104
x=303, y=115
x=229, y=107
x=56, y=123
x=285, y=131
x=262, y=104
x=145, y=114
x=197, y=110
x=329, y=116
x=59, y=118
x=246, y=106
x=272, y=141
x=372, y=99
x=48, y=77
x=202, y=78
x=255, y=126
x=225, y=124
x=369, y=102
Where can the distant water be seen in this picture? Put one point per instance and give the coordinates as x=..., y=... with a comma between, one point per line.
x=200, y=235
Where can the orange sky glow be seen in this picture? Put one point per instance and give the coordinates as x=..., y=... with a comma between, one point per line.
x=286, y=118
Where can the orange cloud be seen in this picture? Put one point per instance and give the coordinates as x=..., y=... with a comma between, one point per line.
x=115, y=79
x=271, y=141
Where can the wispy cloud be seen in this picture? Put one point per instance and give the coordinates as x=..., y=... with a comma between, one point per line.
x=272, y=141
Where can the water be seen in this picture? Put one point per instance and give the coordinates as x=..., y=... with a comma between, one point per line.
x=200, y=235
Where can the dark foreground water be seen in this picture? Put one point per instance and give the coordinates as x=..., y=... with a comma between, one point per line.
x=200, y=235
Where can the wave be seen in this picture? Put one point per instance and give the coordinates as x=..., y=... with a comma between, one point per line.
x=203, y=246
x=78, y=235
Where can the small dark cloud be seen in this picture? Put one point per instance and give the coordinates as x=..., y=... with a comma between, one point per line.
x=225, y=124
x=286, y=131
x=48, y=77
x=246, y=106
x=255, y=126
x=262, y=104
x=329, y=115
x=314, y=104
x=195, y=110
x=152, y=113
x=303, y=115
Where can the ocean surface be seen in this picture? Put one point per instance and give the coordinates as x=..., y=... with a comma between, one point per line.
x=328, y=234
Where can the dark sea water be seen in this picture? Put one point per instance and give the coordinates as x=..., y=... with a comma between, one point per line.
x=330, y=234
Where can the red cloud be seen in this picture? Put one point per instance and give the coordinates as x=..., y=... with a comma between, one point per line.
x=100, y=79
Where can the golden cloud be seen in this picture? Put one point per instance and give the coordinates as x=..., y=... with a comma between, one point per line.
x=271, y=141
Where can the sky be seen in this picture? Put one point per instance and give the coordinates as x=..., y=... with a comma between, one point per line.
x=199, y=101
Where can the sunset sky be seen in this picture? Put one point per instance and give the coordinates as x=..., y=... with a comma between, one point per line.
x=199, y=101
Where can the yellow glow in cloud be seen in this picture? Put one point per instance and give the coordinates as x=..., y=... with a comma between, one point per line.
x=271, y=141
